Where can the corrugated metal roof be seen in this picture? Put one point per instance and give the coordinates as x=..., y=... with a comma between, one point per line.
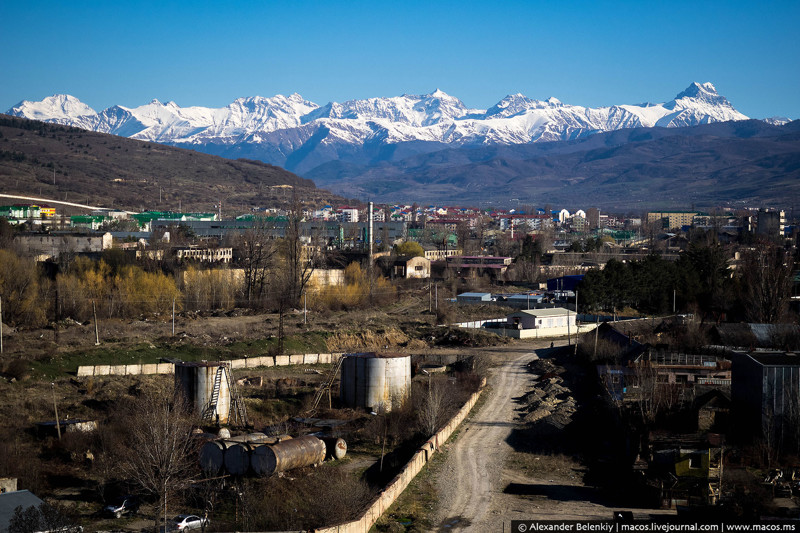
x=9, y=501
x=766, y=334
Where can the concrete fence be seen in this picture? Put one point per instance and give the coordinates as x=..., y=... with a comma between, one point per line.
x=396, y=486
x=247, y=362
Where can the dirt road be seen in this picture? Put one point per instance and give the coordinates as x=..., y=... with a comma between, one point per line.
x=475, y=460
x=479, y=490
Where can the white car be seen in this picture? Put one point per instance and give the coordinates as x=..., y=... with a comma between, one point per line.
x=185, y=522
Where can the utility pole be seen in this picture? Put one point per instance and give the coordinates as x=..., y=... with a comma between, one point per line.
x=55, y=408
x=673, y=301
x=436, y=290
x=1, y=325
x=371, y=257
x=577, y=327
x=305, y=307
x=173, y=317
x=96, y=331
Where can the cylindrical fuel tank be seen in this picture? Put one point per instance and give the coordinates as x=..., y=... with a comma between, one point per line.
x=335, y=448
x=286, y=455
x=252, y=437
x=212, y=457
x=376, y=382
x=237, y=457
x=205, y=386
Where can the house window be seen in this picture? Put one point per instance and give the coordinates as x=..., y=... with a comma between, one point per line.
x=418, y=268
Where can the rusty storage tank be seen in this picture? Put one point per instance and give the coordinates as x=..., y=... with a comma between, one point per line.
x=286, y=455
x=335, y=448
x=376, y=382
x=212, y=457
x=237, y=457
x=205, y=386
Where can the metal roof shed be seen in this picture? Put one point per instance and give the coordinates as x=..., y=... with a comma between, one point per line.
x=473, y=297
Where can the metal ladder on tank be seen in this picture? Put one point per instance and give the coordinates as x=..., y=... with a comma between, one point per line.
x=326, y=385
x=211, y=408
x=237, y=404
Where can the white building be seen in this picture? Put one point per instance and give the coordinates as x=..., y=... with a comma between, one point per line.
x=556, y=317
x=349, y=214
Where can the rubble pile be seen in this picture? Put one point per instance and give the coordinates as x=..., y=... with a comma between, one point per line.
x=550, y=405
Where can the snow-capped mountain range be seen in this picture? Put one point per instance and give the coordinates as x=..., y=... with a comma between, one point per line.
x=299, y=135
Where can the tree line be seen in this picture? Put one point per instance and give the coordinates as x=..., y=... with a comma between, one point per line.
x=707, y=279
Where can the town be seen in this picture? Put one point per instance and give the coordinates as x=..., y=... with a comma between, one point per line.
x=304, y=337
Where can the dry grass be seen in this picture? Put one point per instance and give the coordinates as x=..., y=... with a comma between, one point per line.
x=550, y=466
x=370, y=340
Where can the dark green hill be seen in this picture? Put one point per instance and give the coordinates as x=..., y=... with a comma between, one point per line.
x=748, y=162
x=110, y=171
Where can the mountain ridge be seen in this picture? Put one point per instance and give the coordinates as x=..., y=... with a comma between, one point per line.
x=300, y=135
x=65, y=163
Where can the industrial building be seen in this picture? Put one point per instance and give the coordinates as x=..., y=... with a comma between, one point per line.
x=478, y=265
x=765, y=395
x=405, y=267
x=45, y=246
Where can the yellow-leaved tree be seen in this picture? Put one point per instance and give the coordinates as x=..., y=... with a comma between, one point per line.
x=19, y=289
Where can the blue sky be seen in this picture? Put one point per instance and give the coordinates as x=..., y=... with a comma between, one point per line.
x=590, y=53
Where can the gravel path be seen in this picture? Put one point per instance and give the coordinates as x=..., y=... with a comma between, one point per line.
x=479, y=492
x=472, y=472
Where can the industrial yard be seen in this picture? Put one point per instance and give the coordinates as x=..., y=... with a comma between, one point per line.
x=310, y=485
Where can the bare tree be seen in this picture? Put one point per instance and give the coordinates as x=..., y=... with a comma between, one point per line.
x=767, y=279
x=431, y=411
x=159, y=434
x=299, y=258
x=257, y=251
x=463, y=233
x=654, y=395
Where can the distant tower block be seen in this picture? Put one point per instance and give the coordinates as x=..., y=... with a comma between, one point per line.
x=206, y=386
x=376, y=382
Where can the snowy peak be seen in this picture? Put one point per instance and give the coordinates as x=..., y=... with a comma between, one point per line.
x=285, y=129
x=58, y=106
x=409, y=110
x=696, y=89
x=703, y=92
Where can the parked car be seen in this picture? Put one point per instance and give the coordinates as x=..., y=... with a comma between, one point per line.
x=185, y=522
x=122, y=506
